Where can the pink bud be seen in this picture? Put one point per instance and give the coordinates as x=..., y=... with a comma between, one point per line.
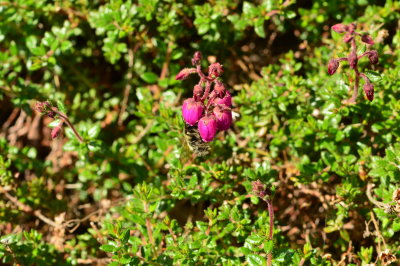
x=207, y=128
x=367, y=39
x=226, y=99
x=45, y=108
x=352, y=27
x=373, y=57
x=353, y=60
x=369, y=91
x=219, y=88
x=215, y=70
x=333, y=66
x=223, y=117
x=192, y=111
x=347, y=38
x=184, y=73
x=197, y=91
x=196, y=58
x=55, y=132
x=340, y=28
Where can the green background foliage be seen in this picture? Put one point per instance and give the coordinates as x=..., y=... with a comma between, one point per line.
x=131, y=193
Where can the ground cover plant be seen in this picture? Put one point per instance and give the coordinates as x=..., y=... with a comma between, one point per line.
x=296, y=166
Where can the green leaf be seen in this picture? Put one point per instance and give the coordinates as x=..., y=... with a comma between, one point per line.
x=61, y=107
x=259, y=27
x=150, y=77
x=94, y=131
x=255, y=260
x=373, y=76
x=108, y=248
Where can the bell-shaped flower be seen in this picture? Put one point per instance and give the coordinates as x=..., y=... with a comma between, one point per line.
x=223, y=116
x=226, y=99
x=207, y=127
x=192, y=111
x=369, y=91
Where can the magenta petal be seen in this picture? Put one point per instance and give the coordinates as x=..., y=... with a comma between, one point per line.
x=340, y=28
x=333, y=66
x=223, y=118
x=367, y=39
x=227, y=99
x=369, y=91
x=192, y=111
x=207, y=128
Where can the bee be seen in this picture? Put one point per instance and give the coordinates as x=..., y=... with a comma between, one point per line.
x=193, y=140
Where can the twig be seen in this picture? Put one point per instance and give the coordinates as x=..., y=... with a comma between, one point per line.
x=65, y=118
x=380, y=237
x=379, y=204
x=27, y=208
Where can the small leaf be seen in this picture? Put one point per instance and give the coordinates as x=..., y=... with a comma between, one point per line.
x=373, y=76
x=255, y=260
x=94, y=131
x=150, y=77
x=61, y=107
x=108, y=248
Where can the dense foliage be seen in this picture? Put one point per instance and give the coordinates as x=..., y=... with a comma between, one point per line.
x=130, y=192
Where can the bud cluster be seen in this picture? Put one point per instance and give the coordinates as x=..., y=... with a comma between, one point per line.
x=47, y=109
x=353, y=58
x=210, y=106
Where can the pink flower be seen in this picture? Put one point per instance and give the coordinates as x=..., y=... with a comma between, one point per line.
x=373, y=57
x=226, y=99
x=196, y=58
x=369, y=91
x=215, y=70
x=55, y=132
x=340, y=28
x=367, y=39
x=333, y=66
x=184, y=73
x=192, y=111
x=223, y=116
x=207, y=128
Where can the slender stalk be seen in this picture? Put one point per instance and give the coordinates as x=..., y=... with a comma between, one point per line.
x=356, y=84
x=271, y=228
x=68, y=122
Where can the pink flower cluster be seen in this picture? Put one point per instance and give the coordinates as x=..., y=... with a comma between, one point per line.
x=209, y=109
x=353, y=58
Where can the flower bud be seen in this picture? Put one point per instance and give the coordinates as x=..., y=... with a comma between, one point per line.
x=192, y=111
x=373, y=57
x=223, y=117
x=369, y=91
x=353, y=60
x=260, y=190
x=45, y=108
x=226, y=99
x=215, y=70
x=55, y=132
x=333, y=66
x=196, y=58
x=207, y=128
x=347, y=38
x=352, y=27
x=184, y=73
x=219, y=89
x=340, y=28
x=197, y=91
x=367, y=39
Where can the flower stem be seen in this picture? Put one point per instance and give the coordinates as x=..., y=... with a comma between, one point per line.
x=271, y=228
x=68, y=122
